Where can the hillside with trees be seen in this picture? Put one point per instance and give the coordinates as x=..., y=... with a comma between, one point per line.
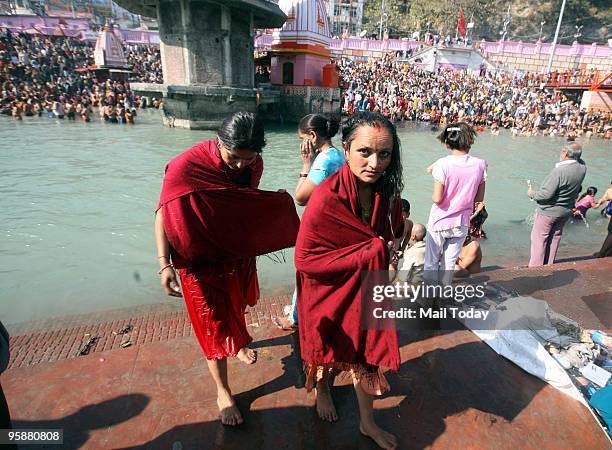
x=590, y=18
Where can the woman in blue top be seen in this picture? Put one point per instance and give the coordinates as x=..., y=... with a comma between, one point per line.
x=321, y=159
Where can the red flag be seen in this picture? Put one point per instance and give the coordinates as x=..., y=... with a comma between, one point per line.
x=461, y=28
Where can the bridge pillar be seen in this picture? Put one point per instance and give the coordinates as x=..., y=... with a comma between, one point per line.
x=207, y=56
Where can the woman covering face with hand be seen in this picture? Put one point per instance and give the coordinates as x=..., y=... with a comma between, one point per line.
x=346, y=228
x=320, y=160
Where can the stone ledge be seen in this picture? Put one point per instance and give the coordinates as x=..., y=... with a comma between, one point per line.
x=64, y=338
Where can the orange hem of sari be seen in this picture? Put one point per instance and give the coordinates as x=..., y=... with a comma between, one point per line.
x=371, y=378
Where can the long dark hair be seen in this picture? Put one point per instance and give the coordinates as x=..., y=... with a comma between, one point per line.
x=323, y=127
x=391, y=183
x=242, y=130
x=458, y=136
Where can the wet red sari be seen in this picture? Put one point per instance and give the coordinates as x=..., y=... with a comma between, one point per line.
x=333, y=247
x=217, y=221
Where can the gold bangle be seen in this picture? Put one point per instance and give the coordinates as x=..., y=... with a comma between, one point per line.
x=163, y=256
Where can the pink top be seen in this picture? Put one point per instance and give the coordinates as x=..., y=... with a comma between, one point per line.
x=584, y=204
x=461, y=176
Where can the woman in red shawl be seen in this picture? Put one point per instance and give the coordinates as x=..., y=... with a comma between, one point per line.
x=351, y=220
x=211, y=222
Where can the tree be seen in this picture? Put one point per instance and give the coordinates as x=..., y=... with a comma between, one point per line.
x=395, y=18
x=404, y=17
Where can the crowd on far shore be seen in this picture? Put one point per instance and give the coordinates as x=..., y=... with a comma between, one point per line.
x=48, y=75
x=516, y=102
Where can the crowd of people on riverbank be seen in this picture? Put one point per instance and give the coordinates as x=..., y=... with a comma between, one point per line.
x=47, y=75
x=515, y=102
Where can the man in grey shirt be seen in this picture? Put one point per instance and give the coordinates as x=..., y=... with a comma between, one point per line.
x=555, y=200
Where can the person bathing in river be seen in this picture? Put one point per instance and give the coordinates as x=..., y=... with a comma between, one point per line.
x=215, y=253
x=585, y=202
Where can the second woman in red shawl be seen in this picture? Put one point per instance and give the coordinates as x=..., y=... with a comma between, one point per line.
x=351, y=219
x=211, y=222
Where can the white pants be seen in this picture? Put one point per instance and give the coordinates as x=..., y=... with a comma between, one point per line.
x=443, y=248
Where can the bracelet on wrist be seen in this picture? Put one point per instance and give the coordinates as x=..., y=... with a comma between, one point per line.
x=163, y=256
x=164, y=268
x=303, y=174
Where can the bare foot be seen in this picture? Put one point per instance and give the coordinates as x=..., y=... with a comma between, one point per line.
x=381, y=437
x=325, y=404
x=229, y=412
x=247, y=356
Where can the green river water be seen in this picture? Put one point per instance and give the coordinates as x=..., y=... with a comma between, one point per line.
x=78, y=198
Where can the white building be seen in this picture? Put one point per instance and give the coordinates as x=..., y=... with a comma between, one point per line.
x=345, y=16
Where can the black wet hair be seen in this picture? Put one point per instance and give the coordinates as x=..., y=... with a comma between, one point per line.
x=323, y=127
x=591, y=190
x=458, y=136
x=244, y=131
x=391, y=183
x=405, y=206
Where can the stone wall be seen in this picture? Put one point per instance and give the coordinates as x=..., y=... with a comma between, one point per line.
x=297, y=101
x=535, y=62
x=597, y=101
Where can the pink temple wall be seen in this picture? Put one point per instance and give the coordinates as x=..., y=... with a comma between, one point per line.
x=74, y=27
x=264, y=42
x=304, y=67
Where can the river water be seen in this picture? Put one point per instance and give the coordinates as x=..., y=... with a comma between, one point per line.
x=78, y=199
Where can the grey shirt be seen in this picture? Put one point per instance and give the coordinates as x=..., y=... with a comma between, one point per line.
x=560, y=189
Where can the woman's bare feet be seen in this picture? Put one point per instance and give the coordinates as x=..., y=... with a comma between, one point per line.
x=229, y=412
x=381, y=437
x=325, y=404
x=247, y=356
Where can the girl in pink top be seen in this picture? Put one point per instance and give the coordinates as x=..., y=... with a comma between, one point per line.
x=584, y=203
x=459, y=182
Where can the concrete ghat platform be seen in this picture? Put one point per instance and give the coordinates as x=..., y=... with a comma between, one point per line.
x=452, y=390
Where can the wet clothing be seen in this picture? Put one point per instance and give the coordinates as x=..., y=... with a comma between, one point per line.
x=216, y=222
x=583, y=205
x=333, y=247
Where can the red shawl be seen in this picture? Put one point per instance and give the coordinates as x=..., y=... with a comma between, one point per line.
x=225, y=218
x=333, y=247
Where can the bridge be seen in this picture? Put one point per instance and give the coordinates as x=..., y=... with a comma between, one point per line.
x=583, y=80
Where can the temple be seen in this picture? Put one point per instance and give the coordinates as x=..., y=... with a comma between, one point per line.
x=301, y=46
x=109, y=57
x=301, y=61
